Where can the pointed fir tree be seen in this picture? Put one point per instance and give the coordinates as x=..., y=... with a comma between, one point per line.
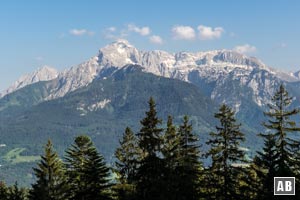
x=51, y=178
x=225, y=151
x=150, y=135
x=127, y=155
x=170, y=152
x=170, y=143
x=281, y=126
x=151, y=171
x=17, y=193
x=188, y=165
x=88, y=175
x=3, y=191
x=264, y=166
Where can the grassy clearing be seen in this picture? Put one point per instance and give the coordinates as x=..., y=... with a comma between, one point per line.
x=14, y=157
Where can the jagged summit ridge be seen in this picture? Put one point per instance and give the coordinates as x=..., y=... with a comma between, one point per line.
x=176, y=65
x=122, y=52
x=216, y=67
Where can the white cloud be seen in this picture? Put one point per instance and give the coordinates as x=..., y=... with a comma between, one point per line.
x=110, y=33
x=140, y=30
x=123, y=34
x=245, y=49
x=282, y=45
x=39, y=58
x=209, y=33
x=80, y=32
x=183, y=33
x=156, y=39
x=111, y=29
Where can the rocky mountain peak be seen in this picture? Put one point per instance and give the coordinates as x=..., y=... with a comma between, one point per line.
x=44, y=73
x=118, y=54
x=234, y=57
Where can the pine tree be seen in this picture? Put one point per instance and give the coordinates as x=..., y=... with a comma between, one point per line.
x=3, y=191
x=150, y=135
x=170, y=152
x=171, y=144
x=88, y=175
x=97, y=175
x=264, y=165
x=280, y=124
x=50, y=174
x=225, y=151
x=188, y=164
x=127, y=156
x=126, y=166
x=282, y=127
x=151, y=171
x=17, y=193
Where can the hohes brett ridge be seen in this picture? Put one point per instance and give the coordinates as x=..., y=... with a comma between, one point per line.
x=153, y=100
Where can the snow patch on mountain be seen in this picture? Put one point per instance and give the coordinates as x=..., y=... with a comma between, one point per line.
x=81, y=109
x=84, y=109
x=99, y=105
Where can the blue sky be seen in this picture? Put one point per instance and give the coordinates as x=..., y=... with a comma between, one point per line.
x=63, y=33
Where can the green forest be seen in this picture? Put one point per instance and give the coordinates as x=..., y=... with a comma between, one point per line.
x=166, y=163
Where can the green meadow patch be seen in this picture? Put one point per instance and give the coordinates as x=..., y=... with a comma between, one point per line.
x=14, y=156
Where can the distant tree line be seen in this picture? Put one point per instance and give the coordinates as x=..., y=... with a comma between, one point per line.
x=167, y=163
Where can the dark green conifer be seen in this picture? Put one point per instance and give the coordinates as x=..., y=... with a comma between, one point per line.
x=171, y=143
x=264, y=165
x=3, y=191
x=170, y=152
x=151, y=172
x=150, y=135
x=188, y=165
x=280, y=125
x=225, y=153
x=282, y=128
x=17, y=193
x=51, y=179
x=126, y=166
x=88, y=175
